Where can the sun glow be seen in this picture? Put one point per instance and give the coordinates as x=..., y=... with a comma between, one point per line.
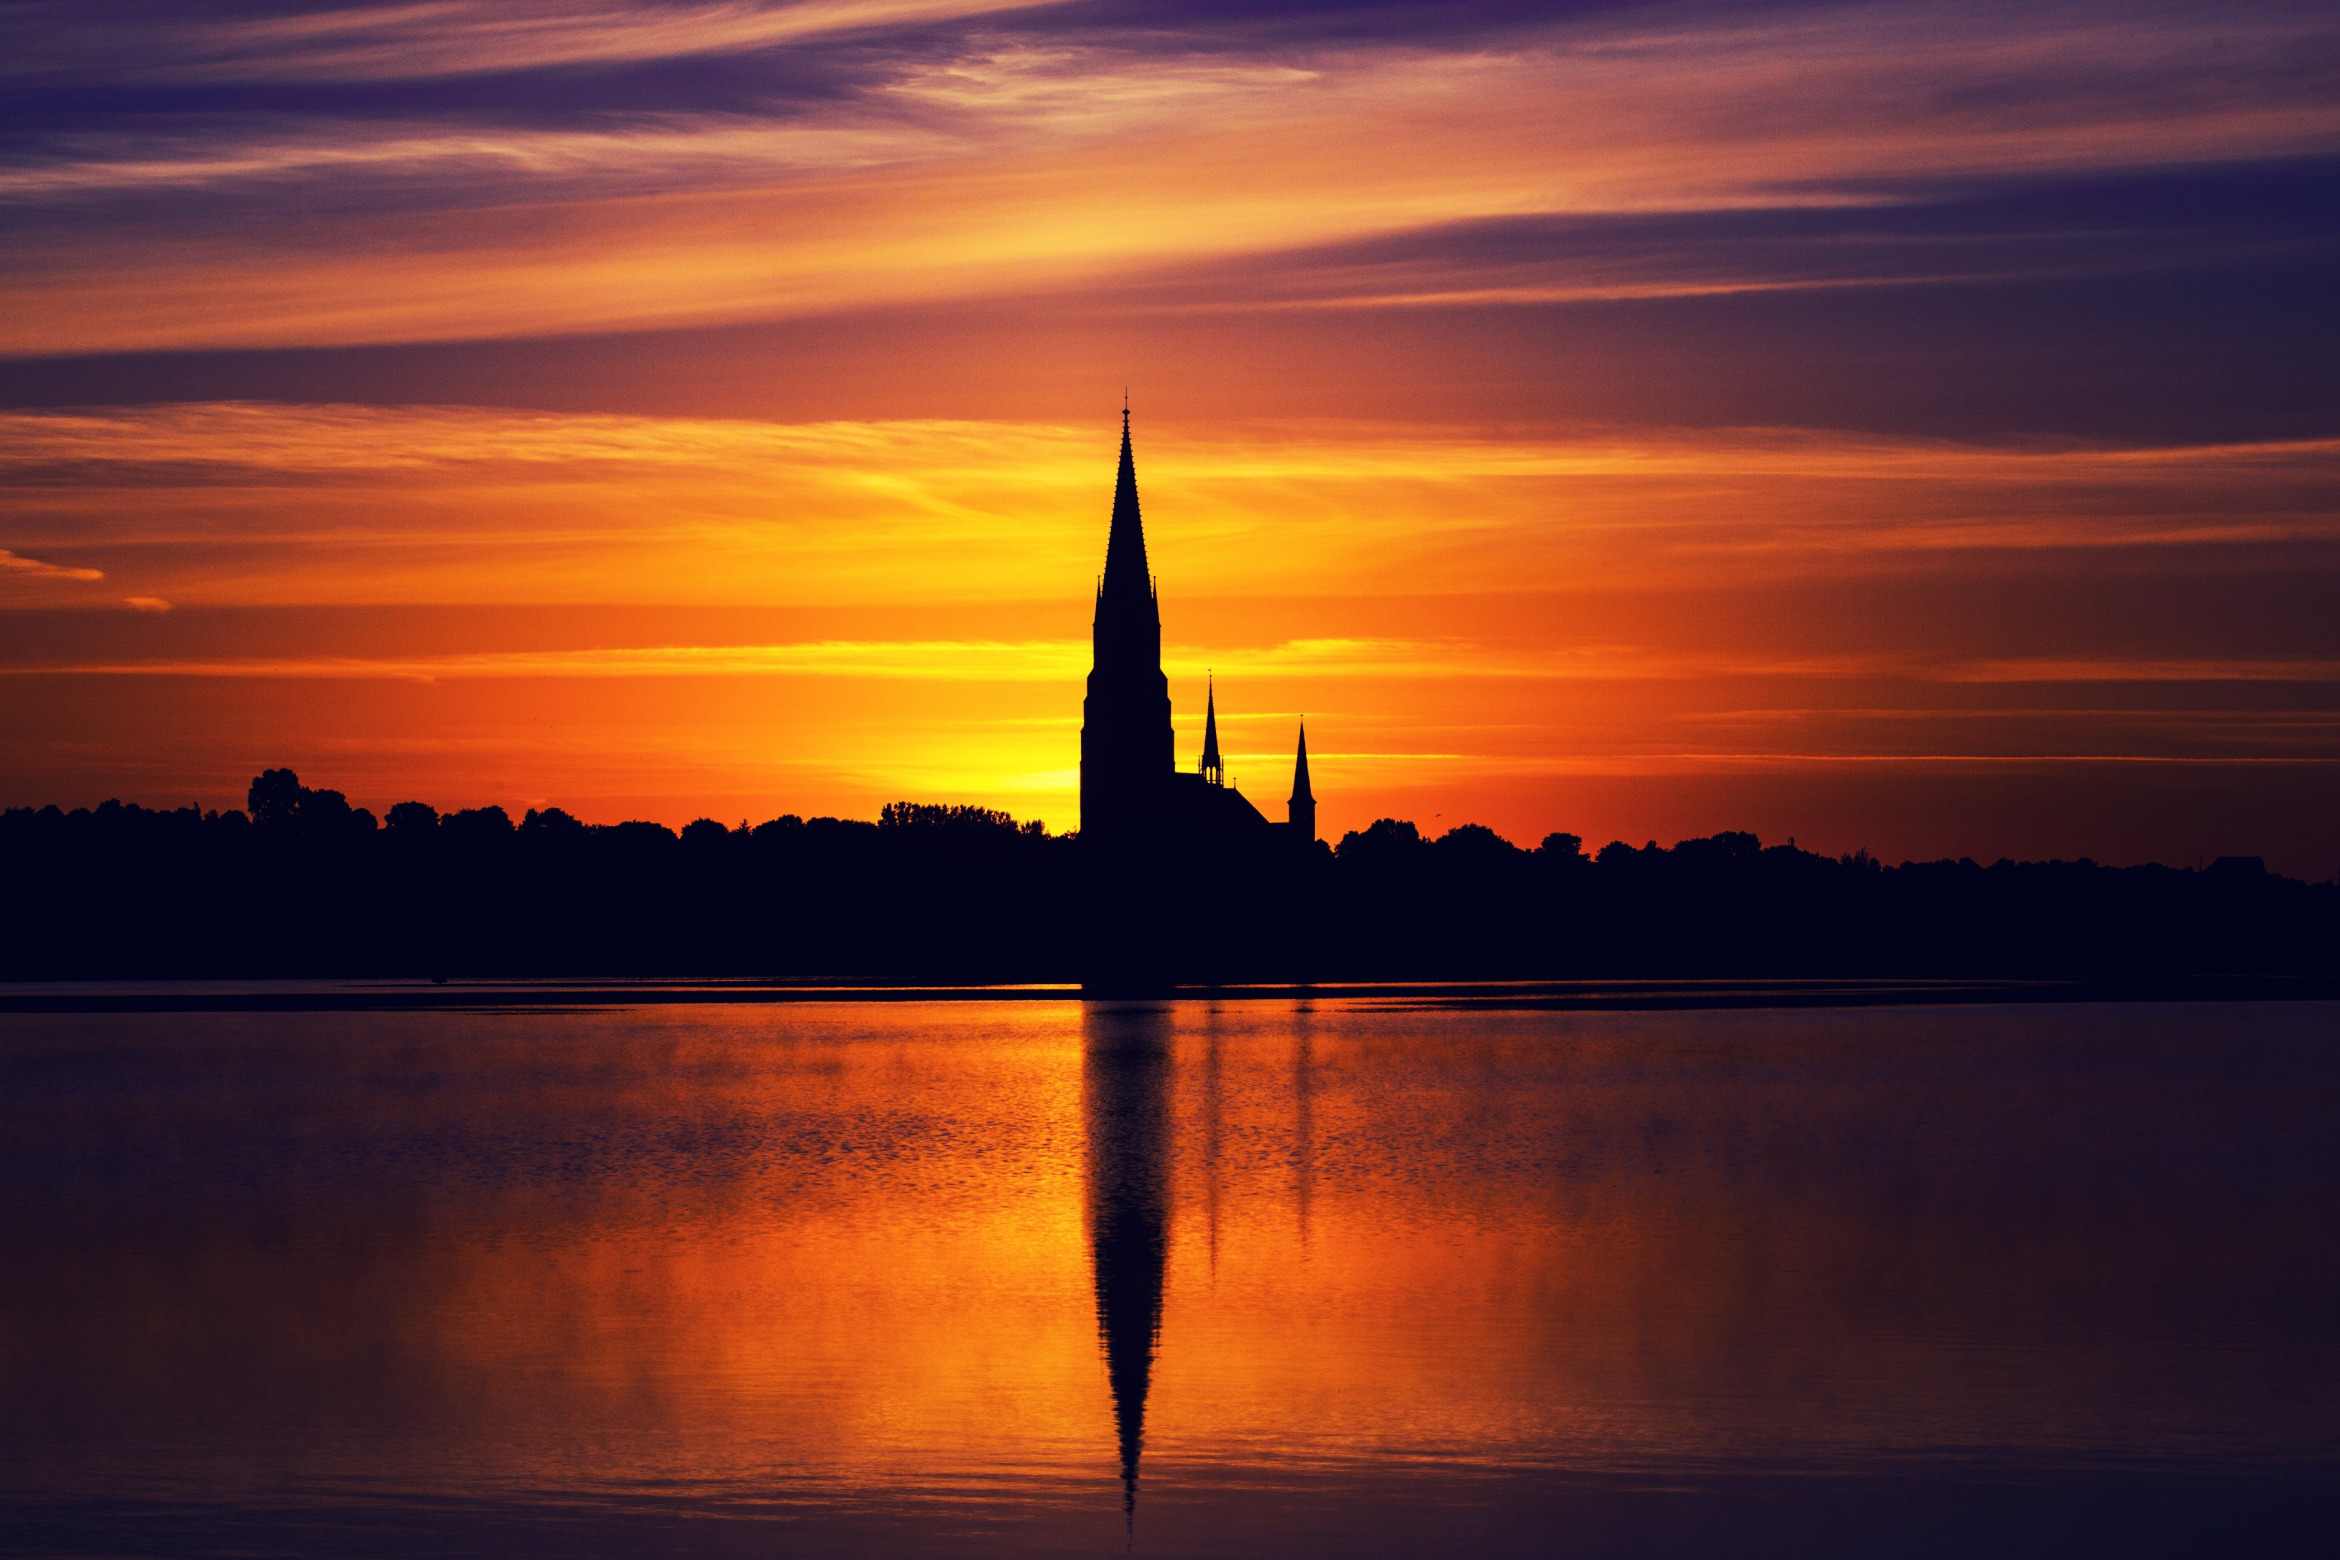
x=747, y=617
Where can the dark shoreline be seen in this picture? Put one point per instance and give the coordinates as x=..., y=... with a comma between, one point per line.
x=1553, y=996
x=948, y=897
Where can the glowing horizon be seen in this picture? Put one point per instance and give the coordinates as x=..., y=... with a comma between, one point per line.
x=1873, y=424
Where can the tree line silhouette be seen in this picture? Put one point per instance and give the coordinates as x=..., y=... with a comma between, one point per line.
x=302, y=884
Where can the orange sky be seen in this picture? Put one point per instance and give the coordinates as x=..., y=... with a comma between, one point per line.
x=1871, y=425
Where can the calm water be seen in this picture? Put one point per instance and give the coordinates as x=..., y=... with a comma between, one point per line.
x=1040, y=1278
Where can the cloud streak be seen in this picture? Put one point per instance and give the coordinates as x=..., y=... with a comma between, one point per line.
x=243, y=502
x=983, y=163
x=15, y=566
x=1064, y=662
x=425, y=39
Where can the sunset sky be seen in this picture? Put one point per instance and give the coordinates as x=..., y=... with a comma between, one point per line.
x=1893, y=425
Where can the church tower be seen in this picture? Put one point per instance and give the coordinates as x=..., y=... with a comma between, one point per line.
x=1213, y=771
x=1303, y=803
x=1127, y=753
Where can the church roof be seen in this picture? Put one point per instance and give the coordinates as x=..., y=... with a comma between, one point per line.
x=1300, y=791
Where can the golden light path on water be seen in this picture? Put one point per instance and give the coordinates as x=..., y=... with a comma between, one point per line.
x=1026, y=1261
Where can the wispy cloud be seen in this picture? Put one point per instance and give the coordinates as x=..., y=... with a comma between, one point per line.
x=15, y=566
x=928, y=660
x=1378, y=660
x=2144, y=669
x=643, y=157
x=423, y=39
x=1062, y=662
x=246, y=502
x=997, y=162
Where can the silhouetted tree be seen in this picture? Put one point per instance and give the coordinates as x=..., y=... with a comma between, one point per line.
x=274, y=798
x=935, y=892
x=1568, y=848
x=1388, y=840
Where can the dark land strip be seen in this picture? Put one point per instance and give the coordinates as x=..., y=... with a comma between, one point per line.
x=1554, y=996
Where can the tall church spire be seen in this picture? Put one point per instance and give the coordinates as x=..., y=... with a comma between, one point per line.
x=1212, y=770
x=1126, y=575
x=1128, y=752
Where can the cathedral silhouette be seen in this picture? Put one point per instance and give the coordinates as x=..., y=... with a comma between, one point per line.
x=1133, y=793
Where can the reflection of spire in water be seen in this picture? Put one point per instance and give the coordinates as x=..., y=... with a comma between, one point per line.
x=1303, y=1111
x=1210, y=1142
x=1126, y=1078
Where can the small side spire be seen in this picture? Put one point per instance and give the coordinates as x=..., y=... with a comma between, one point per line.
x=1303, y=804
x=1212, y=770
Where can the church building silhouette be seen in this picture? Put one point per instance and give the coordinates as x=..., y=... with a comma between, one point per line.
x=1133, y=793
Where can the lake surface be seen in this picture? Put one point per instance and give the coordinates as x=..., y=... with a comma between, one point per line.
x=1052, y=1278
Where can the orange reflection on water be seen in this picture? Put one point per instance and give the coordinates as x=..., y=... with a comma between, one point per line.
x=1033, y=1257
